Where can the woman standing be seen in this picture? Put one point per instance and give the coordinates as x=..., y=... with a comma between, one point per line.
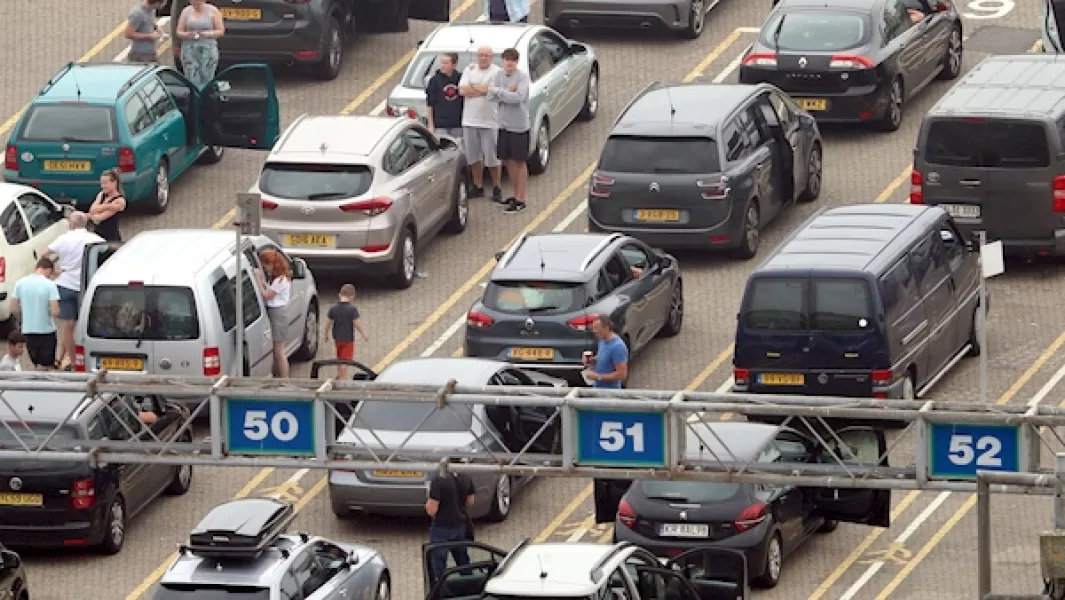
x=107, y=207
x=199, y=25
x=276, y=286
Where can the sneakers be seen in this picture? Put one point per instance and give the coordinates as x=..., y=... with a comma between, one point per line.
x=478, y=192
x=475, y=192
x=497, y=196
x=513, y=205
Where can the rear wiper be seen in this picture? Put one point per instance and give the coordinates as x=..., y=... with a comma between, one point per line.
x=70, y=138
x=537, y=309
x=673, y=497
x=324, y=195
x=144, y=329
x=776, y=34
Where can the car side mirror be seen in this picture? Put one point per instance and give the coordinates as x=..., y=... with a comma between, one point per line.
x=299, y=268
x=577, y=48
x=10, y=559
x=66, y=209
x=353, y=559
x=499, y=255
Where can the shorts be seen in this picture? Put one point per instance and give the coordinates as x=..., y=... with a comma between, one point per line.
x=142, y=57
x=41, y=348
x=480, y=145
x=68, y=303
x=345, y=350
x=278, y=323
x=453, y=132
x=513, y=145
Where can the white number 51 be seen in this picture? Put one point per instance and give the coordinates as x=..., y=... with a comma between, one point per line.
x=612, y=436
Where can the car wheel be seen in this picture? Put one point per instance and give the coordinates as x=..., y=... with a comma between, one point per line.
x=542, y=154
x=460, y=208
x=955, y=53
x=182, y=481
x=751, y=238
x=696, y=21
x=405, y=263
x=501, y=499
x=774, y=563
x=814, y=166
x=115, y=527
x=212, y=156
x=309, y=345
x=160, y=198
x=975, y=332
x=591, y=97
x=329, y=68
x=828, y=526
x=892, y=119
x=384, y=589
x=675, y=318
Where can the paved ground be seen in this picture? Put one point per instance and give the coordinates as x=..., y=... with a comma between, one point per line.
x=928, y=552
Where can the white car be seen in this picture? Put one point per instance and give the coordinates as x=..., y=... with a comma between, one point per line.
x=30, y=221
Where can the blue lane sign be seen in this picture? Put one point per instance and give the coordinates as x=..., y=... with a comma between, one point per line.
x=270, y=427
x=621, y=439
x=958, y=451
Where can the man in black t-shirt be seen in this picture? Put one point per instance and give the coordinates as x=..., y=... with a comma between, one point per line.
x=450, y=495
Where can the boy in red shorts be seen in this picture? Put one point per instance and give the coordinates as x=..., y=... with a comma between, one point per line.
x=341, y=324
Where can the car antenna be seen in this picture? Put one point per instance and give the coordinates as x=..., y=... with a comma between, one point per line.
x=540, y=249
x=77, y=86
x=540, y=561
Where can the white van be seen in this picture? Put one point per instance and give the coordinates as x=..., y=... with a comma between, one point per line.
x=164, y=303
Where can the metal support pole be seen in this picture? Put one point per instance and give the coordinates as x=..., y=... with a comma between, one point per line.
x=983, y=535
x=239, y=353
x=1059, y=492
x=981, y=331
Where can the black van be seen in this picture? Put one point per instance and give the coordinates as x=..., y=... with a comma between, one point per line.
x=868, y=300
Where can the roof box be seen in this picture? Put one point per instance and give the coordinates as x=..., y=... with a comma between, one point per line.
x=241, y=528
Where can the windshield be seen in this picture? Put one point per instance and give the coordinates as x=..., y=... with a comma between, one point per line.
x=315, y=182
x=542, y=297
x=815, y=31
x=427, y=63
x=694, y=492
x=998, y=144
x=173, y=591
x=143, y=313
x=69, y=123
x=408, y=416
x=663, y=156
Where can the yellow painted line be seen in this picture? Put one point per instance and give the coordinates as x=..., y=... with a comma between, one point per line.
x=457, y=352
x=886, y=193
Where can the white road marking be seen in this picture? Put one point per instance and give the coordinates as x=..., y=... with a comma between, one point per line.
x=121, y=56
x=283, y=491
x=577, y=535
x=732, y=66
x=380, y=108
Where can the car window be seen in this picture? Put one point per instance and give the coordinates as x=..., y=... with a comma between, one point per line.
x=898, y=290
x=314, y=182
x=289, y=588
x=617, y=587
x=815, y=31
x=555, y=47
x=896, y=19
x=1001, y=144
x=634, y=562
x=660, y=155
x=636, y=258
x=138, y=118
x=659, y=584
x=776, y=305
x=508, y=378
x=15, y=230
x=143, y=312
x=737, y=145
x=120, y=420
x=600, y=287
x=397, y=415
x=40, y=213
x=790, y=448
x=541, y=297
x=250, y=301
x=540, y=62
x=330, y=558
x=618, y=272
x=419, y=144
x=427, y=63
x=225, y=298
x=782, y=108
x=398, y=156
x=749, y=128
x=690, y=492
x=68, y=122
x=841, y=305
x=953, y=245
x=159, y=102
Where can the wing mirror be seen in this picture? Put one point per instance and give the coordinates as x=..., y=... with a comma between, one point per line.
x=299, y=268
x=498, y=255
x=10, y=559
x=577, y=48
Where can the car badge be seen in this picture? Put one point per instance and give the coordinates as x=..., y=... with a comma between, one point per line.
x=933, y=177
x=27, y=157
x=529, y=324
x=683, y=515
x=822, y=379
x=802, y=62
x=15, y=483
x=66, y=147
x=654, y=187
x=307, y=210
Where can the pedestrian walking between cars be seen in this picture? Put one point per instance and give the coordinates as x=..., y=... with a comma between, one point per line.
x=68, y=253
x=199, y=26
x=35, y=300
x=143, y=31
x=450, y=496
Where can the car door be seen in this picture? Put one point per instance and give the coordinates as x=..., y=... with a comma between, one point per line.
x=94, y=256
x=141, y=124
x=772, y=167
x=156, y=477
x=410, y=179
x=259, y=351
x=331, y=569
x=746, y=166
x=934, y=280
x=571, y=82
x=545, y=93
x=783, y=127
x=965, y=271
x=538, y=427
x=714, y=572
x=431, y=167
x=465, y=581
x=904, y=40
x=18, y=258
x=239, y=108
x=44, y=218
x=436, y=11
x=169, y=127
x=936, y=28
x=630, y=303
x=184, y=94
x=120, y=424
x=654, y=287
x=657, y=583
x=864, y=446
x=785, y=502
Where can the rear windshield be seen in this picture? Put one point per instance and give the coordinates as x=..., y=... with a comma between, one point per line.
x=143, y=313
x=409, y=416
x=69, y=123
x=665, y=156
x=173, y=591
x=790, y=305
x=542, y=297
x=426, y=64
x=315, y=182
x=815, y=31
x=998, y=144
x=33, y=434
x=693, y=492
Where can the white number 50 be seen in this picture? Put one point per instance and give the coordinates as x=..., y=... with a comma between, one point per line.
x=961, y=451
x=612, y=436
x=989, y=9
x=284, y=426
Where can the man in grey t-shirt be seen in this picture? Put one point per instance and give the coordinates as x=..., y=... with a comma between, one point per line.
x=143, y=31
x=510, y=88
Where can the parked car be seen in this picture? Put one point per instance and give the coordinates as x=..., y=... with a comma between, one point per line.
x=564, y=74
x=13, y=579
x=361, y=193
x=30, y=222
x=705, y=166
x=856, y=60
x=147, y=121
x=546, y=290
x=1048, y=21
x=684, y=17
x=72, y=504
x=418, y=426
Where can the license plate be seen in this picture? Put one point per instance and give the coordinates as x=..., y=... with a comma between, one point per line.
x=782, y=378
x=21, y=499
x=122, y=364
x=962, y=211
x=684, y=530
x=70, y=166
x=242, y=14
x=310, y=240
x=657, y=215
x=813, y=103
x=532, y=353
x=405, y=474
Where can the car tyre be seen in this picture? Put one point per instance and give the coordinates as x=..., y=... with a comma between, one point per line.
x=675, y=318
x=339, y=510
x=892, y=119
x=309, y=344
x=979, y=323
x=115, y=527
x=182, y=481
x=212, y=155
x=591, y=97
x=828, y=526
x=814, y=169
x=460, y=207
x=501, y=499
x=542, y=154
x=696, y=20
x=751, y=237
x=952, y=62
x=160, y=198
x=774, y=562
x=329, y=68
x=406, y=262
x=384, y=588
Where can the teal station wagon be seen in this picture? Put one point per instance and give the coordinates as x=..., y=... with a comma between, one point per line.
x=146, y=120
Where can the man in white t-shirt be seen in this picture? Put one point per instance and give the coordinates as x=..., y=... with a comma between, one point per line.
x=480, y=126
x=68, y=251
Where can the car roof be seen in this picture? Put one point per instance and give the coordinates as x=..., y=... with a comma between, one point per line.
x=191, y=568
x=831, y=5
x=719, y=440
x=689, y=109
x=10, y=191
x=43, y=407
x=1031, y=85
x=554, y=257
x=438, y=371
x=568, y=567
x=90, y=82
x=149, y=256
x=329, y=138
x=463, y=37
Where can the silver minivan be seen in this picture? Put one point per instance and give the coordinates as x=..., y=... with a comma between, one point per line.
x=164, y=303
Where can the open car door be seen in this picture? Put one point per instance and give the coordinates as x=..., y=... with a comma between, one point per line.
x=239, y=109
x=459, y=581
x=653, y=583
x=93, y=257
x=715, y=573
x=608, y=494
x=860, y=445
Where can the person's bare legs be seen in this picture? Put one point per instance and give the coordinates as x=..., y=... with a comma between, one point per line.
x=66, y=341
x=477, y=175
x=280, y=361
x=518, y=172
x=497, y=176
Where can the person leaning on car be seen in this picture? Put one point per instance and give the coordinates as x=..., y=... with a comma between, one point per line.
x=443, y=98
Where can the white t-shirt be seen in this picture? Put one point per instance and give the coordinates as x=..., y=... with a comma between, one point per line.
x=282, y=289
x=479, y=111
x=70, y=249
x=9, y=363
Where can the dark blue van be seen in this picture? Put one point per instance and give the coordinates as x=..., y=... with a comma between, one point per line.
x=868, y=300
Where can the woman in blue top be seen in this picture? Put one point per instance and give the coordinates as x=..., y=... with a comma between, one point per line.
x=506, y=11
x=199, y=26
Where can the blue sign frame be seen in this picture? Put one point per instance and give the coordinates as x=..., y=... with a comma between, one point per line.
x=260, y=427
x=611, y=438
x=959, y=450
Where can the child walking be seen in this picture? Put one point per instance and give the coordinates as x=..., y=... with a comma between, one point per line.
x=341, y=324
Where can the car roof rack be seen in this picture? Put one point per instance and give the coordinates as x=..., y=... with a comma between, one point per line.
x=241, y=529
x=513, y=250
x=603, y=245
x=54, y=78
x=148, y=68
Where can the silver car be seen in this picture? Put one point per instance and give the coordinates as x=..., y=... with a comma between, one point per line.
x=684, y=17
x=362, y=193
x=384, y=426
x=564, y=74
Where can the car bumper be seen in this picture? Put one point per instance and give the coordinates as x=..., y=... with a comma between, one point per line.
x=567, y=352
x=1026, y=248
x=856, y=105
x=73, y=533
x=349, y=494
x=620, y=14
x=722, y=236
x=752, y=544
x=342, y=258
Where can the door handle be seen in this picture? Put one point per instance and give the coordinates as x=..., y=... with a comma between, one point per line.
x=970, y=182
x=166, y=136
x=431, y=178
x=760, y=166
x=34, y=254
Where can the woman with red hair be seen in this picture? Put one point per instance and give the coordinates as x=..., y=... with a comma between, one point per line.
x=276, y=286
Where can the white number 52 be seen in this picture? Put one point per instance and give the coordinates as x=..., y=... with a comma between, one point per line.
x=962, y=451
x=989, y=9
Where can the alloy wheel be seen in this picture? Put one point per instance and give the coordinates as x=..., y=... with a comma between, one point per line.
x=543, y=145
x=503, y=495
x=408, y=257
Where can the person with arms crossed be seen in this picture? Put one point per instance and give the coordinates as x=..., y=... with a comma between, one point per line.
x=510, y=88
x=480, y=125
x=143, y=32
x=450, y=495
x=611, y=362
x=68, y=253
x=36, y=302
x=341, y=324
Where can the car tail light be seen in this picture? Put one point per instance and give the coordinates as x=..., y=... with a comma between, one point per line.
x=127, y=162
x=741, y=376
x=916, y=187
x=600, y=186
x=478, y=319
x=850, y=62
x=79, y=359
x=1059, y=193
x=11, y=158
x=212, y=362
x=374, y=248
x=882, y=376
x=761, y=59
x=582, y=323
x=714, y=188
x=83, y=494
x=626, y=515
x=3, y=269
x=942, y=7
x=751, y=517
x=401, y=111
x=269, y=205
x=371, y=207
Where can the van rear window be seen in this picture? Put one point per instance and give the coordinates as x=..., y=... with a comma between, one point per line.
x=777, y=305
x=791, y=305
x=69, y=123
x=143, y=313
x=999, y=144
x=840, y=305
x=660, y=156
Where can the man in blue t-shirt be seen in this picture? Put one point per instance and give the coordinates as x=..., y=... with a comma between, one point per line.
x=611, y=362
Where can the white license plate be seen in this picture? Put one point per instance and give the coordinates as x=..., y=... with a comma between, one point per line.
x=962, y=211
x=689, y=530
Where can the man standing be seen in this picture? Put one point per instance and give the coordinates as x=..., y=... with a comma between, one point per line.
x=35, y=300
x=507, y=11
x=68, y=252
x=142, y=31
x=510, y=88
x=480, y=124
x=443, y=98
x=612, y=360
x=450, y=495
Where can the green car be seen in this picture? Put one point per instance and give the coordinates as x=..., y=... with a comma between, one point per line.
x=147, y=121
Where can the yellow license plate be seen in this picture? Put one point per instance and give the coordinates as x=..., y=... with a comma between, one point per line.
x=813, y=103
x=410, y=474
x=122, y=364
x=242, y=14
x=782, y=378
x=532, y=353
x=654, y=214
x=21, y=500
x=310, y=240
x=70, y=166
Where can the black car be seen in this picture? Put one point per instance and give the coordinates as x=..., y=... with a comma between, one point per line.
x=856, y=60
x=13, y=583
x=705, y=166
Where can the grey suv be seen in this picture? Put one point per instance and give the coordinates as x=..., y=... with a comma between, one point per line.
x=546, y=290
